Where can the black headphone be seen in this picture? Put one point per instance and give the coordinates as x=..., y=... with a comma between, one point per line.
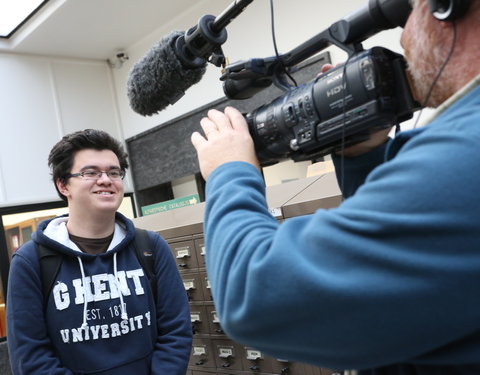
x=448, y=10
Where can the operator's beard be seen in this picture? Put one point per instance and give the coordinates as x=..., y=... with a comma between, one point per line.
x=425, y=59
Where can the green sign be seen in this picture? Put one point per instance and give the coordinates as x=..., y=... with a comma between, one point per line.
x=170, y=205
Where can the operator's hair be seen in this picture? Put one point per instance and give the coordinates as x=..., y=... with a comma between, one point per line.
x=62, y=154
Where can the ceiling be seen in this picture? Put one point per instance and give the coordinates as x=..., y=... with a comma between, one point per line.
x=91, y=29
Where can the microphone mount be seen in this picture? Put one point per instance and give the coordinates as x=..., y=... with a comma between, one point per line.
x=202, y=43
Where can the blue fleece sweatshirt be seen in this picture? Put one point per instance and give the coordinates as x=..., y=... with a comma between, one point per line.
x=388, y=282
x=116, y=329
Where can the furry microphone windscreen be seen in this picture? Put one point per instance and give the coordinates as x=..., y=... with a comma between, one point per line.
x=160, y=78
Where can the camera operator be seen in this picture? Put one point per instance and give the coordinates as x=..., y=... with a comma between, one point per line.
x=389, y=281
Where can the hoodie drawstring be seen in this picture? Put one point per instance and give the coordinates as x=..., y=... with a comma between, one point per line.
x=124, y=315
x=84, y=324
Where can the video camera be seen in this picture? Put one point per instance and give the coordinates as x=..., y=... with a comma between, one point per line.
x=338, y=108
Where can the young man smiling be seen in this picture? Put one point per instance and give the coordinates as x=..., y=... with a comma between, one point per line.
x=101, y=315
x=94, y=192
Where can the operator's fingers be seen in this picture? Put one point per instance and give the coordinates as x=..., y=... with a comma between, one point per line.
x=208, y=126
x=326, y=68
x=197, y=140
x=236, y=118
x=220, y=119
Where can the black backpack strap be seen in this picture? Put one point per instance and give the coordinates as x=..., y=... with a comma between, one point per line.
x=50, y=262
x=145, y=255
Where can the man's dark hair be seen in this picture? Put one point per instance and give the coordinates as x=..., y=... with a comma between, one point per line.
x=62, y=154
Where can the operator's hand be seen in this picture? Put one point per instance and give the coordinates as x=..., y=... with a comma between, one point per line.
x=375, y=140
x=226, y=139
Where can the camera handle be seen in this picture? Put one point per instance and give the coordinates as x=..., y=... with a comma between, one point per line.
x=244, y=79
x=347, y=34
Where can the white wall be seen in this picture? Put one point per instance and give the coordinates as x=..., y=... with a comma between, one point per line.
x=42, y=99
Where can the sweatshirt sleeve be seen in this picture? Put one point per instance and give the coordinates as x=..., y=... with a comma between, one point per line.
x=30, y=348
x=375, y=281
x=173, y=344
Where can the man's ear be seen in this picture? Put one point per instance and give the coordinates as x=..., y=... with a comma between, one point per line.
x=62, y=187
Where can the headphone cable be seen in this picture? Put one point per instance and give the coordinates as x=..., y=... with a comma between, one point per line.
x=285, y=70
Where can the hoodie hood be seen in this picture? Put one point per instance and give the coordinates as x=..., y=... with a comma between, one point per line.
x=56, y=230
x=53, y=234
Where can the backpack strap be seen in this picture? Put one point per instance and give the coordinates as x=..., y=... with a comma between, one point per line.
x=50, y=262
x=145, y=255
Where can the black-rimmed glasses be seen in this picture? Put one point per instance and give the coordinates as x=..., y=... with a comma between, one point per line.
x=93, y=174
